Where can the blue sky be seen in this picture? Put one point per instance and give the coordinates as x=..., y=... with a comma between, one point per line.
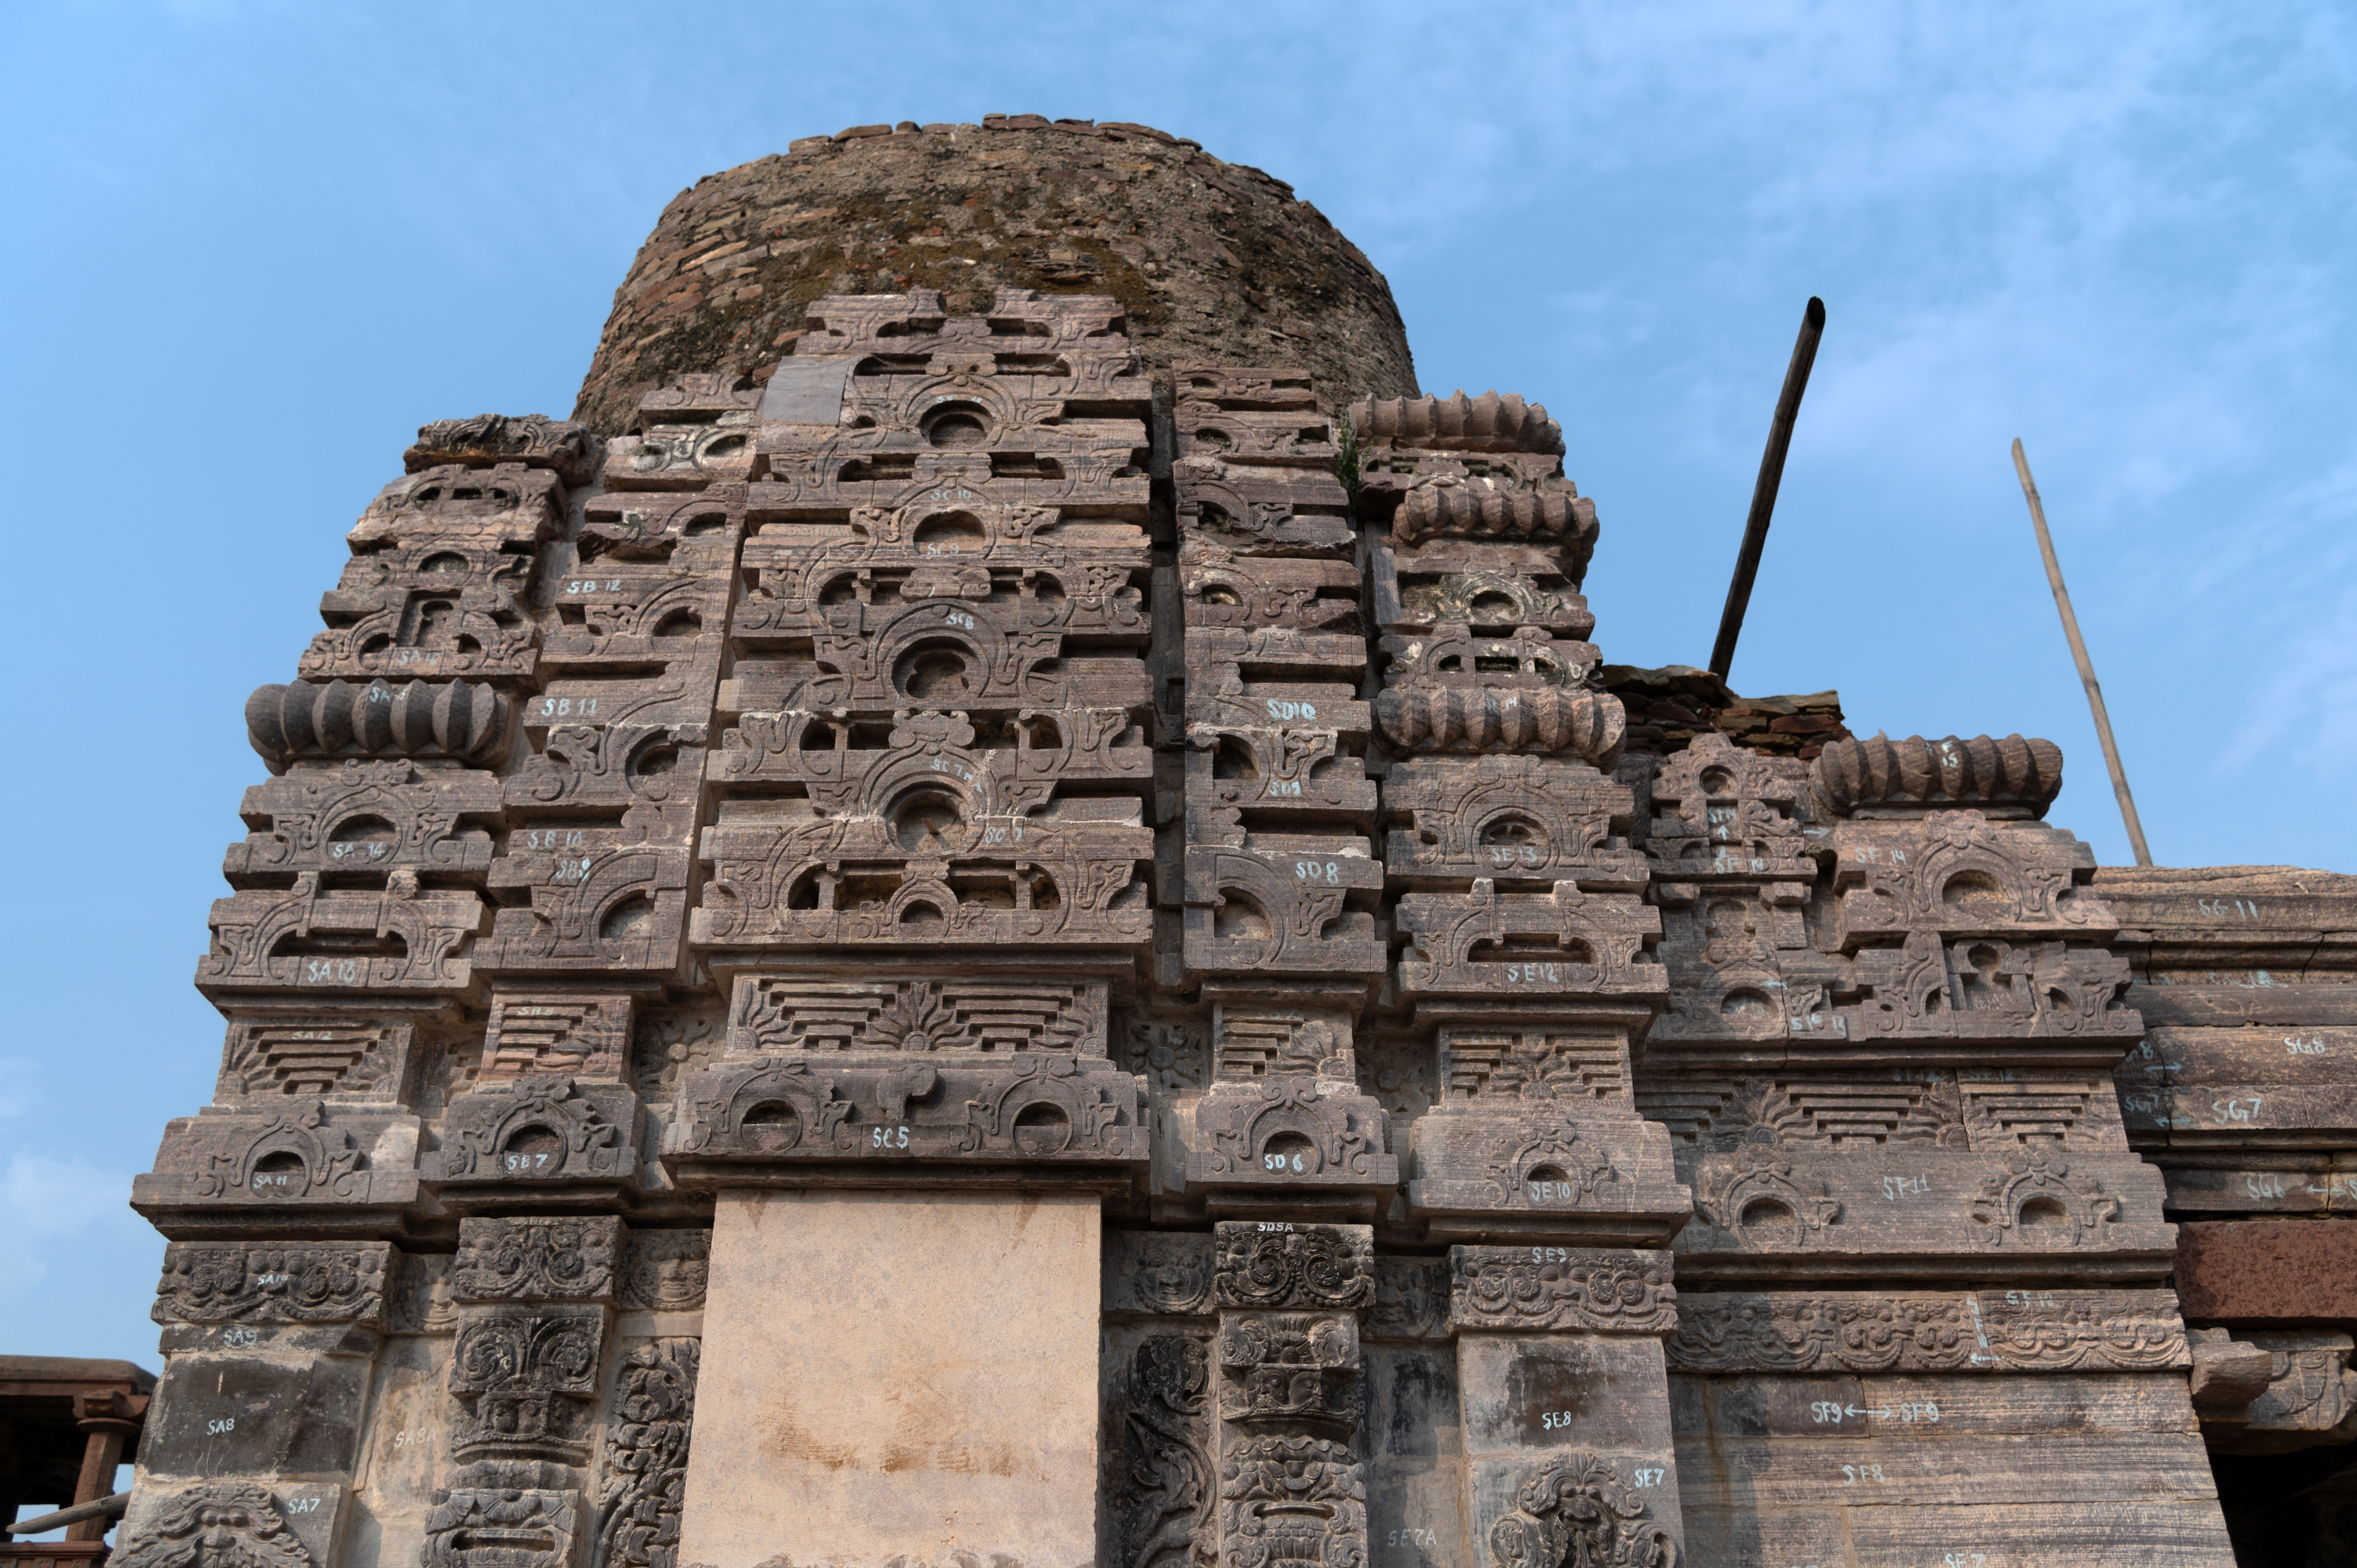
x=255, y=246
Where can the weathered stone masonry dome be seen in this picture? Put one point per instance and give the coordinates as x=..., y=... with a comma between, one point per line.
x=1211, y=261
x=953, y=931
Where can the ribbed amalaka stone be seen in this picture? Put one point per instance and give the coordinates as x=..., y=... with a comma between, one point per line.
x=1211, y=261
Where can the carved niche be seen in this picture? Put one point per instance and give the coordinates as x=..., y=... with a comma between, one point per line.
x=1510, y=819
x=602, y=906
x=1722, y=809
x=901, y=1071
x=540, y=1128
x=959, y=606
x=1753, y=1198
x=684, y=456
x=291, y=1155
x=1955, y=871
x=2035, y=1201
x=1742, y=968
x=626, y=619
x=619, y=766
x=341, y=942
x=1565, y=942
x=1539, y=1123
x=1988, y=988
x=426, y=607
x=1260, y=507
x=358, y=821
x=934, y=838
x=1279, y=903
x=1221, y=587
x=507, y=506
x=1285, y=1113
x=1273, y=724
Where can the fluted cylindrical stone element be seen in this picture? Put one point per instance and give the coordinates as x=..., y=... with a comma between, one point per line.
x=1544, y=721
x=462, y=719
x=1982, y=771
x=1562, y=517
x=1212, y=261
x=1490, y=423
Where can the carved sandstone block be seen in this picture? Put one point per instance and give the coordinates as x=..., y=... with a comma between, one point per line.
x=399, y=942
x=207, y=1281
x=1509, y=819
x=300, y=1160
x=1566, y=942
x=1551, y=1289
x=541, y=1133
x=1980, y=1331
x=276, y=1526
x=1283, y=903
x=536, y=1259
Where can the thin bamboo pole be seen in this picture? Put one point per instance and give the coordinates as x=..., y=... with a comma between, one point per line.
x=1763, y=492
x=2078, y=654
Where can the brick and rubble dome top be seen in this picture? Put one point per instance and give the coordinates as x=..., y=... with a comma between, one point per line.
x=1211, y=261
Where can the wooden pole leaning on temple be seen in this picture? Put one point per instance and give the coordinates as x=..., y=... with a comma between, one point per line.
x=2078, y=653
x=1763, y=493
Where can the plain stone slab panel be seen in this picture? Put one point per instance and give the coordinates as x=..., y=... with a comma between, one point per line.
x=259, y=1413
x=1543, y=1392
x=2285, y=1272
x=890, y=1377
x=1416, y=1465
x=2009, y=1534
x=1745, y=1538
x=2130, y=1470
x=406, y=1449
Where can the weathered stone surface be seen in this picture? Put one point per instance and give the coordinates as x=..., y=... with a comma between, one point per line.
x=1218, y=1031
x=900, y=1385
x=229, y=1283
x=1208, y=258
x=2267, y=1272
